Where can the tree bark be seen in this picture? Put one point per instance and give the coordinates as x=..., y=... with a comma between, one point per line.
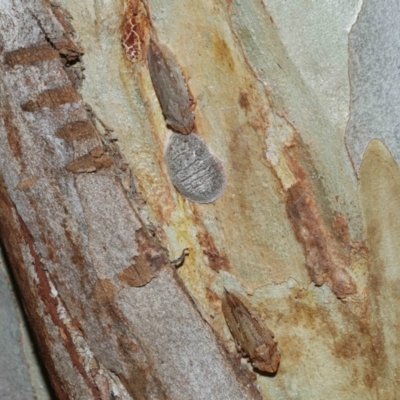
x=296, y=230
x=109, y=313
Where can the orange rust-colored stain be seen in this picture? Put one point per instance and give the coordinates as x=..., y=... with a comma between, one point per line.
x=223, y=54
x=13, y=135
x=303, y=313
x=134, y=30
x=367, y=341
x=27, y=183
x=326, y=254
x=212, y=297
x=347, y=347
x=341, y=228
x=52, y=98
x=363, y=337
x=302, y=211
x=242, y=169
x=378, y=358
x=290, y=352
x=256, y=112
x=322, y=252
x=78, y=130
x=136, y=387
x=216, y=261
x=244, y=100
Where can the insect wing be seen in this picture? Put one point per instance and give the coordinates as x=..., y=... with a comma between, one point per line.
x=171, y=89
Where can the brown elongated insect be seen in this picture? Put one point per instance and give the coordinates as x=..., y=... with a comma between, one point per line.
x=252, y=338
x=171, y=88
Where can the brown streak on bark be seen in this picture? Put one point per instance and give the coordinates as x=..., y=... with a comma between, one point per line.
x=216, y=260
x=89, y=163
x=146, y=265
x=326, y=256
x=52, y=98
x=78, y=130
x=104, y=291
x=13, y=137
x=341, y=228
x=30, y=55
x=78, y=259
x=27, y=183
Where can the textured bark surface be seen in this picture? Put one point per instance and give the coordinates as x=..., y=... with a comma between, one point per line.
x=287, y=96
x=109, y=314
x=21, y=377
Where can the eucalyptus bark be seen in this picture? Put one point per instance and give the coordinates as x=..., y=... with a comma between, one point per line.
x=276, y=103
x=110, y=315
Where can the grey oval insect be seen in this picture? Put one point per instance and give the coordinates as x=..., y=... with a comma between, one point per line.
x=171, y=89
x=195, y=172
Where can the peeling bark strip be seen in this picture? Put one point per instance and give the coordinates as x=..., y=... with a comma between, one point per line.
x=98, y=289
x=171, y=88
x=52, y=98
x=327, y=254
x=195, y=172
x=89, y=163
x=252, y=338
x=31, y=55
x=325, y=260
x=78, y=130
